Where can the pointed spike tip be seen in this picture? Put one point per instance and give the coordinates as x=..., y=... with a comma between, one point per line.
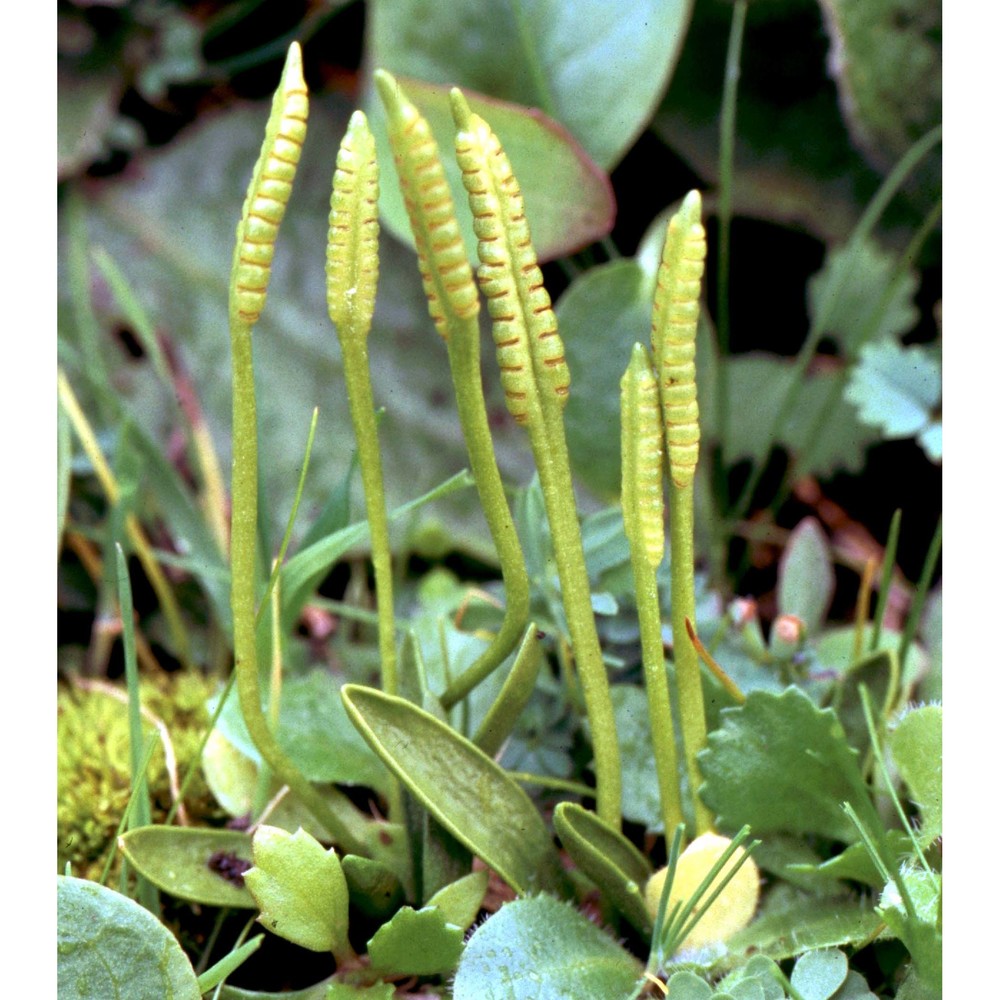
x=291, y=75
x=460, y=110
x=388, y=88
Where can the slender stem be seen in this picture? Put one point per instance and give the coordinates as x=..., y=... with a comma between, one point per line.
x=535, y=379
x=548, y=442
x=724, y=209
x=362, y=406
x=690, y=696
x=888, y=565
x=454, y=306
x=463, y=356
x=647, y=596
x=243, y=535
x=642, y=514
x=920, y=596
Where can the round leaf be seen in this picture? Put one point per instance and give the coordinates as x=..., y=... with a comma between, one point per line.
x=819, y=974
x=541, y=949
x=112, y=948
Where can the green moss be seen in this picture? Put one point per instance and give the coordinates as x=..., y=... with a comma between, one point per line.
x=93, y=763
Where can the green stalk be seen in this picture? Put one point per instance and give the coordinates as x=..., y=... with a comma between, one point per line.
x=724, y=210
x=263, y=211
x=920, y=595
x=351, y=279
x=535, y=380
x=675, y=321
x=642, y=511
x=888, y=565
x=454, y=306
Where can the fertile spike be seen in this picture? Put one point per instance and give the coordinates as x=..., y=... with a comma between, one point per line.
x=352, y=243
x=529, y=350
x=447, y=277
x=675, y=322
x=269, y=190
x=642, y=458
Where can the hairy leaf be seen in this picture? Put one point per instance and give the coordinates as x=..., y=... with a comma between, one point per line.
x=780, y=763
x=112, y=948
x=541, y=949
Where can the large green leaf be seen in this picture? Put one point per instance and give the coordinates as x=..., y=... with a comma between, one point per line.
x=314, y=729
x=541, y=949
x=793, y=922
x=598, y=69
x=887, y=65
x=568, y=200
x=462, y=788
x=781, y=764
x=867, y=302
x=601, y=315
x=202, y=866
x=757, y=385
x=112, y=948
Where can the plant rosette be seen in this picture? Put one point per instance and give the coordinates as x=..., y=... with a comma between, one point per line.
x=732, y=909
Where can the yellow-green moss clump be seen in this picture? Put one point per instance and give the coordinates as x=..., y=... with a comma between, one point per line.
x=93, y=763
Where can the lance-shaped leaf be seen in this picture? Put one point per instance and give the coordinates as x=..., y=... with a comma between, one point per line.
x=529, y=350
x=675, y=322
x=642, y=459
x=444, y=267
x=201, y=866
x=269, y=191
x=300, y=889
x=605, y=856
x=464, y=790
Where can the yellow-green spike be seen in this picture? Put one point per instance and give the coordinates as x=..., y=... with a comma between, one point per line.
x=675, y=322
x=447, y=277
x=642, y=458
x=529, y=350
x=352, y=243
x=268, y=192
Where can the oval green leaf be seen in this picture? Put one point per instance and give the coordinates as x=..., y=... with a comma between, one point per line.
x=819, y=974
x=464, y=790
x=112, y=948
x=416, y=943
x=805, y=575
x=568, y=199
x=461, y=900
x=300, y=888
x=542, y=949
x=186, y=862
x=617, y=868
